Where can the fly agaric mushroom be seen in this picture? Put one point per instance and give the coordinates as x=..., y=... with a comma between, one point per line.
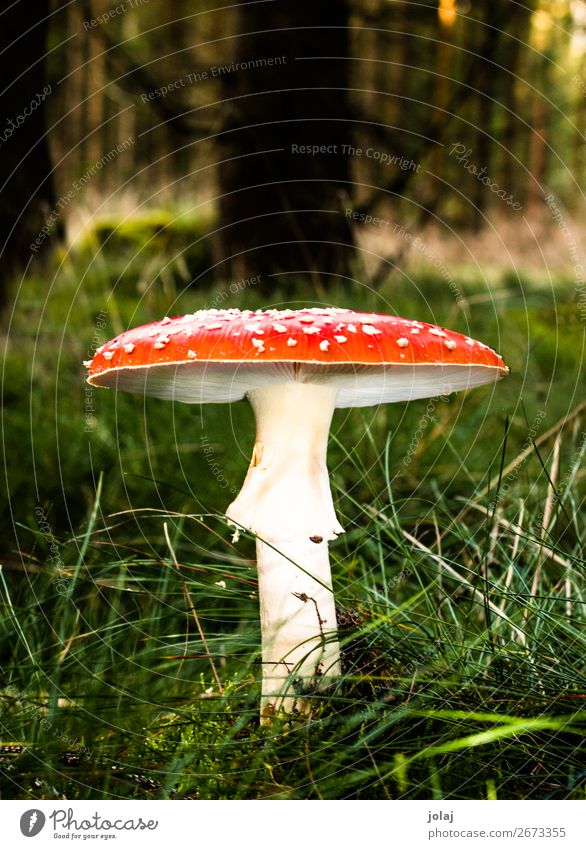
x=295, y=368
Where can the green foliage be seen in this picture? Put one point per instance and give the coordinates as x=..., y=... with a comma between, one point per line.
x=140, y=239
x=108, y=690
x=462, y=617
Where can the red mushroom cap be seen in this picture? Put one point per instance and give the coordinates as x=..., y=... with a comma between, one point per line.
x=220, y=355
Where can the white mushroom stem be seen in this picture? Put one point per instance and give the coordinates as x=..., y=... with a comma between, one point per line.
x=287, y=502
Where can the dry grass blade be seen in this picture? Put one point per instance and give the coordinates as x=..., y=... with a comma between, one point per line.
x=522, y=456
x=476, y=592
x=193, y=611
x=514, y=552
x=458, y=576
x=519, y=531
x=547, y=511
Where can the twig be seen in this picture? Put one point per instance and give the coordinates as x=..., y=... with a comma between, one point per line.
x=547, y=511
x=377, y=771
x=511, y=568
x=193, y=610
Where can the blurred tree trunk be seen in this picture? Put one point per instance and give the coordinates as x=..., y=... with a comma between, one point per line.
x=94, y=92
x=27, y=194
x=442, y=85
x=490, y=47
x=512, y=131
x=508, y=136
x=69, y=146
x=282, y=209
x=538, y=159
x=578, y=151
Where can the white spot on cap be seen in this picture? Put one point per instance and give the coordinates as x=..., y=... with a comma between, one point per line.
x=469, y=341
x=435, y=332
x=341, y=339
x=280, y=328
x=352, y=328
x=306, y=319
x=217, y=325
x=324, y=345
x=108, y=355
x=165, y=320
x=291, y=342
x=191, y=354
x=128, y=348
x=370, y=330
x=100, y=349
x=414, y=330
x=259, y=345
x=450, y=344
x=254, y=328
x=311, y=330
x=87, y=363
x=402, y=342
x=159, y=345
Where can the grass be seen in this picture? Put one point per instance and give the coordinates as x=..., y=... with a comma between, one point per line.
x=459, y=582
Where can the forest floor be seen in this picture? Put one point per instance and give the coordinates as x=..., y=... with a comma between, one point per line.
x=459, y=582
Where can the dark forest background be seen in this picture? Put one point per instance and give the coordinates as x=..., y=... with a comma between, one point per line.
x=466, y=116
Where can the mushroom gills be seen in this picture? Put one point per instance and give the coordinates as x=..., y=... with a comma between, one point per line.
x=355, y=384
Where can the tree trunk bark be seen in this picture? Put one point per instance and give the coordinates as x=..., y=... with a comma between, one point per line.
x=518, y=29
x=487, y=85
x=282, y=208
x=26, y=184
